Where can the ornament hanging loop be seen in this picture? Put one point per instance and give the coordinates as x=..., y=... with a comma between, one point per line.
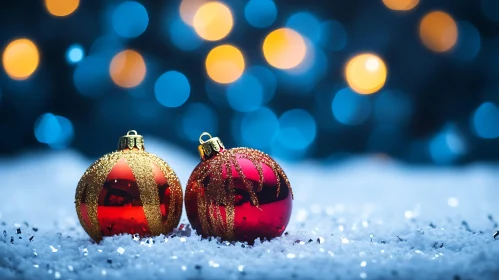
x=201, y=141
x=130, y=141
x=211, y=147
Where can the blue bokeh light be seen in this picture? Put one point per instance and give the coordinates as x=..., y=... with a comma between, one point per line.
x=333, y=35
x=267, y=79
x=490, y=9
x=447, y=146
x=306, y=24
x=75, y=53
x=197, y=119
x=485, y=121
x=130, y=19
x=259, y=128
x=91, y=76
x=350, y=108
x=55, y=131
x=260, y=13
x=245, y=94
x=468, y=42
x=183, y=36
x=172, y=89
x=297, y=129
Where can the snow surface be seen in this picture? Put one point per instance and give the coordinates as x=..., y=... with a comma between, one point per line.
x=367, y=218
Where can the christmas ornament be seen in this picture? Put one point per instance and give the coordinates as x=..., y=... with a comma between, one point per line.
x=129, y=191
x=238, y=194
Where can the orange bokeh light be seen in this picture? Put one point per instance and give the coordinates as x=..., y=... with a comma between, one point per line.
x=284, y=48
x=20, y=59
x=127, y=69
x=225, y=64
x=213, y=21
x=188, y=9
x=438, y=31
x=366, y=73
x=401, y=5
x=61, y=8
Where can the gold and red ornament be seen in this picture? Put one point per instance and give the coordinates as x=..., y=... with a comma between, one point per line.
x=238, y=194
x=129, y=191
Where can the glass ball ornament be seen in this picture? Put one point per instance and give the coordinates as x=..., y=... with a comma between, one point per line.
x=129, y=191
x=237, y=194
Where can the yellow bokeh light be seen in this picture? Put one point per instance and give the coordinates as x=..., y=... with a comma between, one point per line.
x=213, y=21
x=438, y=31
x=188, y=9
x=127, y=69
x=225, y=64
x=284, y=48
x=366, y=73
x=61, y=8
x=401, y=5
x=20, y=59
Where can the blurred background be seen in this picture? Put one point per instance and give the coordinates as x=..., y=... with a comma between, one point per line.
x=412, y=80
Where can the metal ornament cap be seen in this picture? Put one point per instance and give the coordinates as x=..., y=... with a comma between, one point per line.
x=131, y=140
x=210, y=147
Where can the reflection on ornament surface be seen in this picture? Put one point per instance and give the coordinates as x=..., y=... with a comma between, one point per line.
x=238, y=194
x=129, y=191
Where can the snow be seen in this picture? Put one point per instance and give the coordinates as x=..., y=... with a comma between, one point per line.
x=366, y=218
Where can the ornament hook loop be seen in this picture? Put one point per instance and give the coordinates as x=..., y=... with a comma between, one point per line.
x=130, y=141
x=210, y=147
x=201, y=141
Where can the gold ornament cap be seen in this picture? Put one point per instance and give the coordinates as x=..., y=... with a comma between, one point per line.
x=210, y=147
x=131, y=140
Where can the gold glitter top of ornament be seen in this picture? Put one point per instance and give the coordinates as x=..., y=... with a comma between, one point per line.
x=131, y=140
x=210, y=147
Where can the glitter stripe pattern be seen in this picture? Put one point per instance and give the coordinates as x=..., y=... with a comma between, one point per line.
x=140, y=162
x=212, y=185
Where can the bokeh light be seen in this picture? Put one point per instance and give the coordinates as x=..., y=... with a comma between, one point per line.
x=260, y=13
x=213, y=21
x=490, y=9
x=130, y=19
x=188, y=9
x=284, y=48
x=305, y=24
x=53, y=130
x=468, y=42
x=267, y=79
x=438, y=31
x=485, y=121
x=61, y=8
x=20, y=59
x=245, y=94
x=183, y=36
x=172, y=89
x=197, y=119
x=366, y=73
x=225, y=64
x=447, y=146
x=259, y=128
x=350, y=108
x=75, y=53
x=401, y=5
x=127, y=69
x=297, y=129
x=333, y=35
